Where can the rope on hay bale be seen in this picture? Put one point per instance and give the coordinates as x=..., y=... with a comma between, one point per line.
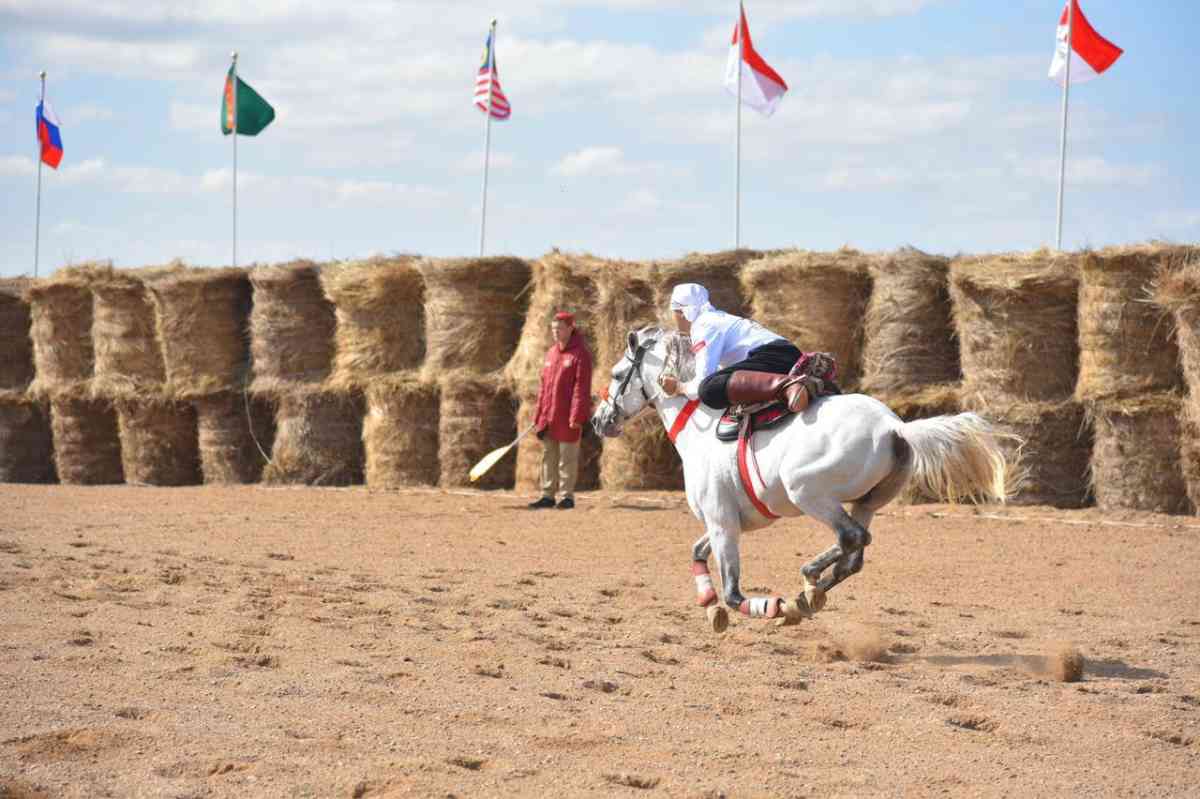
x=1136, y=455
x=235, y=434
x=26, y=447
x=16, y=346
x=1126, y=345
x=642, y=457
x=400, y=432
x=815, y=300
x=476, y=416
x=61, y=329
x=202, y=318
x=291, y=327
x=87, y=449
x=380, y=307
x=719, y=272
x=561, y=282
x=129, y=359
x=158, y=442
x=1051, y=468
x=318, y=438
x=474, y=309
x=1015, y=315
x=908, y=338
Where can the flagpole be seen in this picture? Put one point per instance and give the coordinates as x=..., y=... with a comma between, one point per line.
x=737, y=159
x=235, y=137
x=37, y=224
x=1062, y=148
x=487, y=133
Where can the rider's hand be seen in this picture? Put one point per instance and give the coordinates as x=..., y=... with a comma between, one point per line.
x=670, y=385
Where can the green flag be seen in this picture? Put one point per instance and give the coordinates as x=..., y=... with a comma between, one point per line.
x=253, y=112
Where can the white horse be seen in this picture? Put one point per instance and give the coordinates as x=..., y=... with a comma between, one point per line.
x=842, y=449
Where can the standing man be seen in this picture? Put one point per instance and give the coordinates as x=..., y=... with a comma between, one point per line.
x=563, y=407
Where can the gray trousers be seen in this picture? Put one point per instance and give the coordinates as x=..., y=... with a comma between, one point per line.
x=560, y=467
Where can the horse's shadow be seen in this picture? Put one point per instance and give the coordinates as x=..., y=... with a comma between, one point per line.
x=1041, y=664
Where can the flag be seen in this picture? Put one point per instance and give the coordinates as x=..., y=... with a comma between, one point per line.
x=489, y=75
x=762, y=88
x=253, y=112
x=1091, y=53
x=48, y=135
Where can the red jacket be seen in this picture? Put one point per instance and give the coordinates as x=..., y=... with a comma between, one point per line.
x=565, y=392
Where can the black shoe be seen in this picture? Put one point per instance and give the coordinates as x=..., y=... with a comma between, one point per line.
x=544, y=502
x=566, y=503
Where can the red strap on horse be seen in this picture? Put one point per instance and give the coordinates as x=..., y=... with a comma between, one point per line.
x=744, y=469
x=682, y=419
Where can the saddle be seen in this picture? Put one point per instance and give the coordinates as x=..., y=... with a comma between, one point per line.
x=819, y=366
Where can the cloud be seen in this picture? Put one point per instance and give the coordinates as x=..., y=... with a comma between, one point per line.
x=16, y=166
x=473, y=162
x=89, y=112
x=592, y=161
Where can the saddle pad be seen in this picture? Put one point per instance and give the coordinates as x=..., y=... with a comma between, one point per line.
x=762, y=418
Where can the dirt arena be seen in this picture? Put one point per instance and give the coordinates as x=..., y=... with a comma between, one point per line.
x=344, y=643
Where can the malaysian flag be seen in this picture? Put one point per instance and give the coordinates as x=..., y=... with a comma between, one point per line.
x=489, y=78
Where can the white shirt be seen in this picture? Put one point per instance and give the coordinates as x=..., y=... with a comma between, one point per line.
x=719, y=340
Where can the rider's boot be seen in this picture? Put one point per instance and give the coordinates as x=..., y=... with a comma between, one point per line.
x=747, y=388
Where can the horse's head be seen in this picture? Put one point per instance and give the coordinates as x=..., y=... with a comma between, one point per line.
x=649, y=353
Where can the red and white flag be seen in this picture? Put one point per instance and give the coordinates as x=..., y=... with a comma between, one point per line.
x=489, y=77
x=1091, y=53
x=762, y=88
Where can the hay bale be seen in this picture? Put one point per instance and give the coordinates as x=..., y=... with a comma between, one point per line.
x=815, y=300
x=128, y=358
x=87, y=448
x=474, y=310
x=202, y=318
x=1051, y=468
x=380, y=307
x=235, y=434
x=1015, y=316
x=158, y=442
x=291, y=327
x=720, y=273
x=908, y=338
x=400, y=432
x=529, y=453
x=26, y=447
x=16, y=346
x=60, y=310
x=626, y=303
x=924, y=402
x=1126, y=343
x=1189, y=454
x=477, y=415
x=1136, y=456
x=642, y=458
x=318, y=438
x=561, y=282
x=1177, y=289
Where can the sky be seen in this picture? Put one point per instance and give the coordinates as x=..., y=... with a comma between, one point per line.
x=928, y=123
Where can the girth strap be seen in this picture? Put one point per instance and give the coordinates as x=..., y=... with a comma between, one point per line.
x=744, y=468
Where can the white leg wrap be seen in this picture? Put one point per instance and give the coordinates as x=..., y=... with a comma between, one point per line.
x=759, y=606
x=704, y=584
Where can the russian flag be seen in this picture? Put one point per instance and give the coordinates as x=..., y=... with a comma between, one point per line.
x=48, y=135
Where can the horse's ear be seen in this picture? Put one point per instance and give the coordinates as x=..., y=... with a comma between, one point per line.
x=633, y=341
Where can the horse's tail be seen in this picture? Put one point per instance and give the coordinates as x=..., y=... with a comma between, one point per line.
x=956, y=458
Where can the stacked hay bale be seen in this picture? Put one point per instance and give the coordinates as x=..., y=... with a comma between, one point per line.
x=910, y=355
x=201, y=323
x=473, y=315
x=561, y=282
x=87, y=449
x=642, y=458
x=158, y=434
x=815, y=300
x=1015, y=316
x=379, y=343
x=318, y=430
x=1177, y=289
x=720, y=273
x=1130, y=381
x=26, y=450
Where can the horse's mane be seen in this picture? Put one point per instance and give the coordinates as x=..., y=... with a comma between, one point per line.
x=681, y=361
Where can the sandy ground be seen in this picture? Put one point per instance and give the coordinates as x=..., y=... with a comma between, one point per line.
x=343, y=643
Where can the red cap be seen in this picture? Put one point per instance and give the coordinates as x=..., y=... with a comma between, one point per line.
x=565, y=316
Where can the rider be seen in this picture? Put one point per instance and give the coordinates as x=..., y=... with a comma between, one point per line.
x=738, y=361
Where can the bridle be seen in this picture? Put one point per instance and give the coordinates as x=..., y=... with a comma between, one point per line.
x=635, y=368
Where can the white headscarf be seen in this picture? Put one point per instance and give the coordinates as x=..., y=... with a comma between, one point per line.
x=692, y=299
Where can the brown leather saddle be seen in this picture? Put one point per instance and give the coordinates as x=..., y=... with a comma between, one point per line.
x=765, y=415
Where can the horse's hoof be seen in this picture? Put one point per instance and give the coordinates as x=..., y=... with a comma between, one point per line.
x=718, y=618
x=815, y=598
x=794, y=611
